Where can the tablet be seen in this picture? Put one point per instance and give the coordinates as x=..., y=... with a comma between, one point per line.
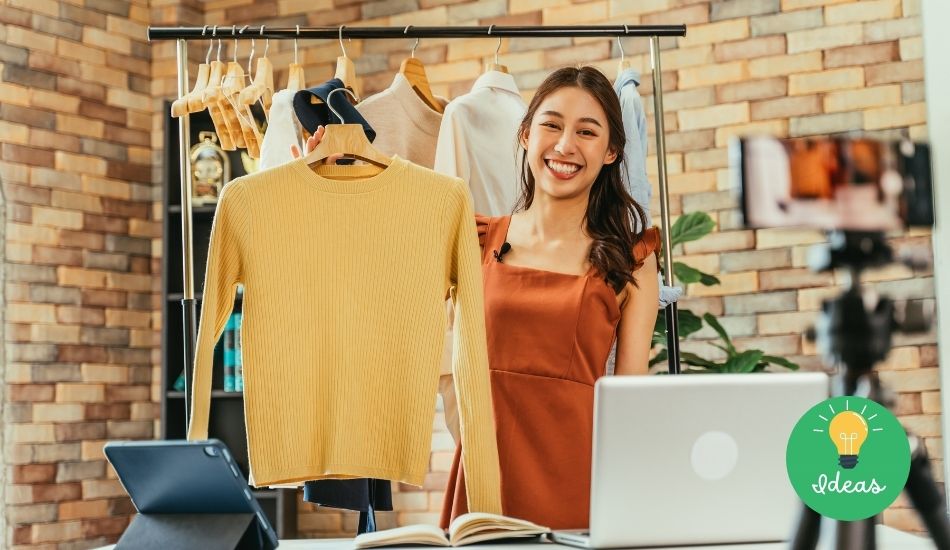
x=184, y=477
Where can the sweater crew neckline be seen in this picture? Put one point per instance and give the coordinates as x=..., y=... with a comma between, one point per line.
x=354, y=183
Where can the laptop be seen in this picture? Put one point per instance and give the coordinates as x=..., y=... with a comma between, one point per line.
x=694, y=459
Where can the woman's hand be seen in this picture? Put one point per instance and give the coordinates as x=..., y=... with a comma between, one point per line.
x=312, y=143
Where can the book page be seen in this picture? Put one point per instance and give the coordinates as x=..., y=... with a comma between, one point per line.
x=409, y=534
x=478, y=527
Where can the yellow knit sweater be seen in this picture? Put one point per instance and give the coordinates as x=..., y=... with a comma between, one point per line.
x=344, y=314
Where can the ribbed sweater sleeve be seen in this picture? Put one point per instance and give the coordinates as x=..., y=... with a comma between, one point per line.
x=224, y=272
x=470, y=363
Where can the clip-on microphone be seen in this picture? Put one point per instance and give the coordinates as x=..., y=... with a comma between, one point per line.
x=505, y=248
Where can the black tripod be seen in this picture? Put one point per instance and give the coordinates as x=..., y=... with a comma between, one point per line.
x=851, y=333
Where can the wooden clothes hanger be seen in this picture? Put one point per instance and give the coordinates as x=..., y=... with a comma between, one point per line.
x=295, y=76
x=191, y=102
x=346, y=139
x=496, y=66
x=345, y=69
x=624, y=64
x=262, y=87
x=209, y=100
x=415, y=72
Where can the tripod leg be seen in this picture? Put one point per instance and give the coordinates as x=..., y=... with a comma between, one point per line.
x=926, y=498
x=855, y=535
x=807, y=531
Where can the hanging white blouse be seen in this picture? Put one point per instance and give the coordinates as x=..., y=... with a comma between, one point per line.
x=478, y=142
x=283, y=130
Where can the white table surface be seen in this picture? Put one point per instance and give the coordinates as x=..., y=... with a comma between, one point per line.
x=887, y=539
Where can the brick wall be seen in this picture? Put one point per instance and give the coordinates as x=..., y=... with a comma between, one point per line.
x=81, y=263
x=81, y=330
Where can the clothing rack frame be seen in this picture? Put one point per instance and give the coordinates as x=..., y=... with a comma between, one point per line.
x=183, y=34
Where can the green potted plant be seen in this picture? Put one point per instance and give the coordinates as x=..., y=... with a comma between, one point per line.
x=691, y=227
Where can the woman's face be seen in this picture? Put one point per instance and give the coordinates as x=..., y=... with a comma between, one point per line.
x=567, y=143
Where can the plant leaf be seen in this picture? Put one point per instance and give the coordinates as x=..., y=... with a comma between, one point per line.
x=689, y=323
x=711, y=321
x=690, y=227
x=686, y=274
x=744, y=361
x=660, y=357
x=780, y=361
x=708, y=280
x=693, y=359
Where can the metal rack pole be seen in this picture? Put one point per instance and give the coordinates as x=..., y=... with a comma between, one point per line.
x=184, y=167
x=672, y=324
x=290, y=33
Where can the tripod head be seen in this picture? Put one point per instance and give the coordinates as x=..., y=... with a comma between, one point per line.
x=855, y=329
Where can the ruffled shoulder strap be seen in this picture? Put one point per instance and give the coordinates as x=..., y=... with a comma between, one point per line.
x=481, y=225
x=649, y=243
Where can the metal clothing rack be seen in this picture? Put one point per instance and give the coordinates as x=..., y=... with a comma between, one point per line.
x=183, y=34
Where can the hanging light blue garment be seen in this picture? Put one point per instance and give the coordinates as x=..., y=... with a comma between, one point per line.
x=635, y=126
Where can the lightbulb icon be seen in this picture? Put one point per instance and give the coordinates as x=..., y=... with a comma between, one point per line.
x=848, y=430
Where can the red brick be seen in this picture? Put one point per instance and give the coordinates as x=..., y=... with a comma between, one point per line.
x=139, y=264
x=21, y=213
x=81, y=315
x=14, y=16
x=80, y=431
x=43, y=61
x=30, y=392
x=128, y=136
x=27, y=194
x=105, y=298
x=126, y=209
x=577, y=54
x=57, y=492
x=752, y=89
x=129, y=64
x=785, y=107
x=34, y=473
x=104, y=527
x=64, y=142
x=22, y=534
x=103, y=411
x=129, y=171
x=105, y=224
x=688, y=15
x=83, y=509
x=898, y=71
x=36, y=118
x=81, y=239
x=753, y=47
x=115, y=394
x=81, y=88
x=51, y=255
x=98, y=111
x=531, y=18
x=82, y=354
x=865, y=54
x=27, y=155
x=84, y=16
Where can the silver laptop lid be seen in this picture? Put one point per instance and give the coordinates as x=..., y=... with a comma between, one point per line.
x=696, y=458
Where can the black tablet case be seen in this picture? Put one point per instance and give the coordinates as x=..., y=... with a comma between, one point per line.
x=189, y=494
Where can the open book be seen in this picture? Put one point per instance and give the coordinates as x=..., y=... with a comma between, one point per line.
x=466, y=529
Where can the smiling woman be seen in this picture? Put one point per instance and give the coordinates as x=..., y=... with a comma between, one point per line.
x=565, y=276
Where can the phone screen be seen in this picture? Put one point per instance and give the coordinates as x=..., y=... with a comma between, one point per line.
x=856, y=184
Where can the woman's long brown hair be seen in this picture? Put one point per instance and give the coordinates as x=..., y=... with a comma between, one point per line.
x=612, y=214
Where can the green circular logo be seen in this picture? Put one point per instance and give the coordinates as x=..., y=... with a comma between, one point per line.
x=848, y=458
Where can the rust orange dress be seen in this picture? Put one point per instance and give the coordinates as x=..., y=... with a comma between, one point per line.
x=549, y=335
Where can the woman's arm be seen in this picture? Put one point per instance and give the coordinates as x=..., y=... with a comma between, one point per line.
x=637, y=319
